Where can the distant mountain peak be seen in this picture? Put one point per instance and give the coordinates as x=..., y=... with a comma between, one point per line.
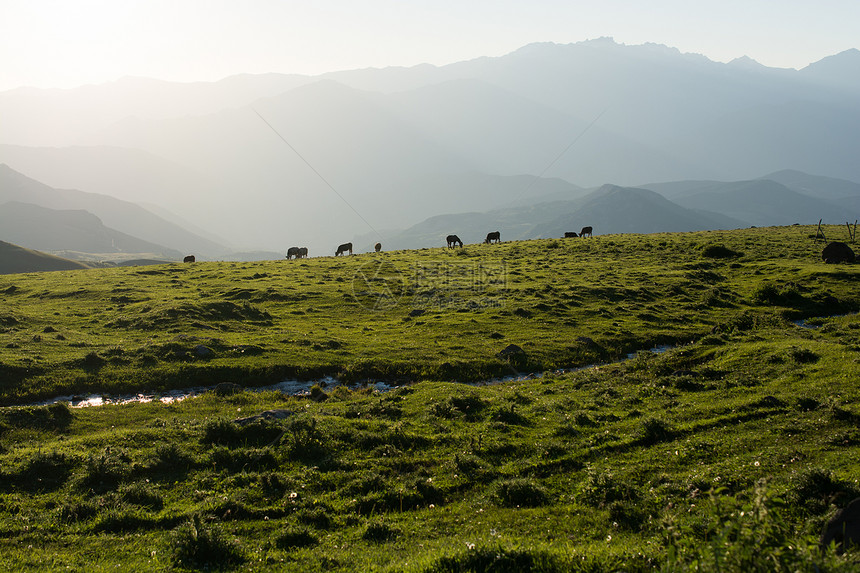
x=747, y=63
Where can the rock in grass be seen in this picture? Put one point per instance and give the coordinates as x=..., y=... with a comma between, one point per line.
x=511, y=350
x=837, y=252
x=202, y=351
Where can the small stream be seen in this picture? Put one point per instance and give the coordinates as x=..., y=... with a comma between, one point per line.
x=296, y=387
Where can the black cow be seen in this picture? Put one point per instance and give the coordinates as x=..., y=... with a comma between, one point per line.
x=570, y=235
x=343, y=249
x=377, y=247
x=189, y=259
x=585, y=231
x=494, y=236
x=453, y=240
x=303, y=252
x=293, y=252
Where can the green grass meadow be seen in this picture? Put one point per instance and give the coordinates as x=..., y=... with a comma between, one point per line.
x=727, y=450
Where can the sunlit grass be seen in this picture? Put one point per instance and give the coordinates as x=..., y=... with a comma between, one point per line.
x=726, y=452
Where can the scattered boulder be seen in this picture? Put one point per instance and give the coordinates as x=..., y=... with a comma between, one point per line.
x=511, y=350
x=267, y=415
x=843, y=529
x=837, y=252
x=202, y=351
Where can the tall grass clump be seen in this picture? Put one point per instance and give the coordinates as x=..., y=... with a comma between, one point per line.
x=197, y=545
x=519, y=492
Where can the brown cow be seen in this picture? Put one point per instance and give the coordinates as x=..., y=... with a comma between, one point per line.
x=343, y=249
x=453, y=240
x=585, y=231
x=494, y=236
x=189, y=259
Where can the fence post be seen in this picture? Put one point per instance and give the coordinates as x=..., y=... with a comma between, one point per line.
x=820, y=232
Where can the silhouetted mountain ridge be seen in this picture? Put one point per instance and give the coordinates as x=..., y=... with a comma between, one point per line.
x=46, y=229
x=350, y=151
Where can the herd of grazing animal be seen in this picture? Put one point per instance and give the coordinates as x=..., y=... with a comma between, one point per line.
x=297, y=252
x=585, y=232
x=452, y=240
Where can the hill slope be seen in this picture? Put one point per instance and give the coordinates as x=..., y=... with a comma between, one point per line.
x=69, y=230
x=816, y=186
x=15, y=259
x=763, y=202
x=614, y=209
x=610, y=209
x=127, y=217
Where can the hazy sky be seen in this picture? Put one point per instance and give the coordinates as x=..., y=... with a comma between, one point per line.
x=65, y=43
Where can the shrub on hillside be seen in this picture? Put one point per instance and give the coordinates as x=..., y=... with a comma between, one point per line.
x=719, y=251
x=197, y=545
x=519, y=492
x=293, y=538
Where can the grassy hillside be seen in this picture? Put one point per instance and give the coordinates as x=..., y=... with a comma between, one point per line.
x=15, y=259
x=727, y=452
x=429, y=314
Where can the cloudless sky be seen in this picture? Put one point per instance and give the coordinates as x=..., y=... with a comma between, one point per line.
x=66, y=43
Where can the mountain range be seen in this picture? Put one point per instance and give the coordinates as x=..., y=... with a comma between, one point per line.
x=272, y=161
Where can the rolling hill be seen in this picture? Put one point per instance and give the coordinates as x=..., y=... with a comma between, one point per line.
x=829, y=188
x=70, y=231
x=128, y=217
x=760, y=202
x=609, y=209
x=15, y=259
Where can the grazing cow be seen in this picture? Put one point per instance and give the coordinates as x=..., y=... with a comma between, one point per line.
x=377, y=247
x=343, y=249
x=570, y=235
x=453, y=241
x=843, y=529
x=189, y=259
x=494, y=236
x=585, y=231
x=303, y=252
x=293, y=252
